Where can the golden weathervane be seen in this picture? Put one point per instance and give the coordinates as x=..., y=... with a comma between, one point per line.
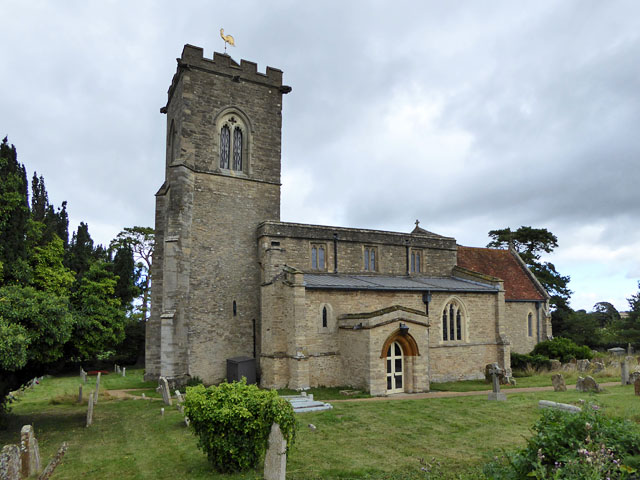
x=227, y=39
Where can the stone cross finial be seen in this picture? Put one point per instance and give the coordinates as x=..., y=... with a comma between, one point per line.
x=417, y=223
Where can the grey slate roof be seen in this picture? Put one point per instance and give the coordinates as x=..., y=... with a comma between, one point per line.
x=389, y=282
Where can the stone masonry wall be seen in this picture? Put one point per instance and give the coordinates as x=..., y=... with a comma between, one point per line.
x=296, y=240
x=516, y=326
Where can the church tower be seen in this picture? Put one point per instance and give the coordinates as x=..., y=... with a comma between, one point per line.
x=222, y=179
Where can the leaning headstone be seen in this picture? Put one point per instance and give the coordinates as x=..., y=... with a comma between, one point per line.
x=555, y=364
x=558, y=383
x=179, y=396
x=10, y=466
x=587, y=384
x=559, y=406
x=95, y=397
x=90, y=410
x=583, y=365
x=29, y=452
x=166, y=393
x=496, y=395
x=275, y=460
x=48, y=471
x=624, y=373
x=636, y=386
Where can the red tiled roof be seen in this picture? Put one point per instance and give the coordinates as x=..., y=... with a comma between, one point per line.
x=504, y=265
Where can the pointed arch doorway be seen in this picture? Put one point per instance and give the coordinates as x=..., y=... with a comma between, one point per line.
x=395, y=368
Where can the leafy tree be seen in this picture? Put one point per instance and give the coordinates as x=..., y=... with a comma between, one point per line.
x=14, y=342
x=49, y=272
x=14, y=214
x=606, y=314
x=99, y=317
x=82, y=253
x=45, y=317
x=141, y=240
x=630, y=325
x=530, y=243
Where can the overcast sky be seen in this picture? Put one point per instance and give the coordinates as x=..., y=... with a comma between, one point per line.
x=469, y=116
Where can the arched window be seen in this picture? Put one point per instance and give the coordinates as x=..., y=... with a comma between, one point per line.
x=234, y=129
x=324, y=317
x=237, y=149
x=172, y=143
x=317, y=257
x=225, y=145
x=530, y=324
x=453, y=322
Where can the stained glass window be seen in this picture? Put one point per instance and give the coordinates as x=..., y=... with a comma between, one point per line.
x=452, y=322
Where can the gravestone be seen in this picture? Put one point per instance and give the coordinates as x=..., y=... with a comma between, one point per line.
x=568, y=367
x=559, y=406
x=90, y=410
x=275, y=460
x=624, y=373
x=587, y=384
x=79, y=393
x=29, y=452
x=555, y=364
x=95, y=397
x=166, y=393
x=51, y=466
x=583, y=365
x=502, y=376
x=162, y=412
x=558, y=383
x=179, y=396
x=496, y=395
x=636, y=386
x=83, y=375
x=10, y=463
x=124, y=371
x=597, y=367
x=633, y=376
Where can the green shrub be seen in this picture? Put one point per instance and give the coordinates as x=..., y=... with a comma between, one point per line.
x=586, y=445
x=521, y=361
x=233, y=422
x=194, y=382
x=562, y=349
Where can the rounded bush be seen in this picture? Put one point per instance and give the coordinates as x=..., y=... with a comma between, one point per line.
x=562, y=349
x=233, y=422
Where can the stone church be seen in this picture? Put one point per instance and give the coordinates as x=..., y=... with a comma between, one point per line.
x=314, y=305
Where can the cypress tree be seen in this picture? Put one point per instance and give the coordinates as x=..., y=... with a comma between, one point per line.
x=14, y=215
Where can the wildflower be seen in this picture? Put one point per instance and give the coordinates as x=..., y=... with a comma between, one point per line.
x=588, y=426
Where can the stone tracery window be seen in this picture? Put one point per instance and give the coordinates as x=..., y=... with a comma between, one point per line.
x=416, y=261
x=318, y=257
x=370, y=259
x=233, y=146
x=453, y=322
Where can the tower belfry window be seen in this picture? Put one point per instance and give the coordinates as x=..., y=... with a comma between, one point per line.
x=237, y=148
x=225, y=144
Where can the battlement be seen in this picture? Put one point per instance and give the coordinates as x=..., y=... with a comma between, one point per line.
x=223, y=64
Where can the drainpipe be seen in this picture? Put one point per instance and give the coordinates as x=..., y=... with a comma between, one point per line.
x=407, y=247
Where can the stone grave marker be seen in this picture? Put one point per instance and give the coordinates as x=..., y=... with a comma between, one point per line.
x=555, y=364
x=90, y=410
x=124, y=371
x=179, y=396
x=166, y=393
x=95, y=397
x=587, y=384
x=51, y=466
x=496, y=395
x=275, y=460
x=636, y=386
x=633, y=376
x=624, y=372
x=558, y=383
x=10, y=466
x=583, y=365
x=559, y=406
x=597, y=367
x=80, y=393
x=29, y=452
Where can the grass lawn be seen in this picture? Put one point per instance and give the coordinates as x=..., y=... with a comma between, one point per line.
x=369, y=440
